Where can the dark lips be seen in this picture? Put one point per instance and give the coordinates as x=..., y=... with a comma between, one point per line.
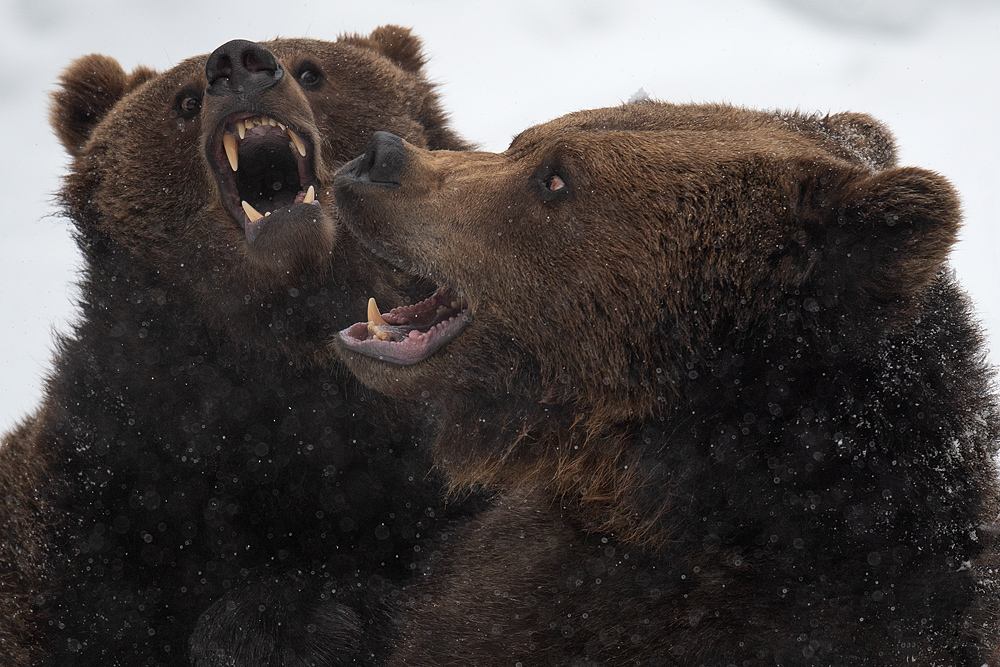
x=409, y=334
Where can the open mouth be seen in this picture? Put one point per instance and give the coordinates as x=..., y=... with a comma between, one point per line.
x=264, y=169
x=409, y=334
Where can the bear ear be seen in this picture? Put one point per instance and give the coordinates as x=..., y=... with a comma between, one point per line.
x=89, y=88
x=893, y=231
x=863, y=137
x=399, y=45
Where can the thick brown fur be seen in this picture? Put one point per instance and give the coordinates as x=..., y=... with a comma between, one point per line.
x=199, y=449
x=716, y=361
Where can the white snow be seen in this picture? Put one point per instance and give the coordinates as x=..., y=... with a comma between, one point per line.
x=928, y=68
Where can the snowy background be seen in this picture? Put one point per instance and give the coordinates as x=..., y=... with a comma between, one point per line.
x=928, y=68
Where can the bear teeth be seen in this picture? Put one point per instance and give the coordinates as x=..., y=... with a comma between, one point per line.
x=420, y=322
x=253, y=214
x=299, y=146
x=231, y=141
x=376, y=321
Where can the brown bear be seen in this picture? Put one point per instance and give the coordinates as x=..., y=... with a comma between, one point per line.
x=198, y=447
x=714, y=360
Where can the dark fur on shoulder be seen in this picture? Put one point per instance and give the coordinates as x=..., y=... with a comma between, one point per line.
x=198, y=444
x=715, y=359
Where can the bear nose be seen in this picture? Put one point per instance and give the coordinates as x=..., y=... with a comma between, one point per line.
x=383, y=162
x=241, y=67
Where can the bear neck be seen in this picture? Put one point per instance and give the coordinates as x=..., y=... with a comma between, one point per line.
x=145, y=317
x=759, y=450
x=143, y=361
x=128, y=296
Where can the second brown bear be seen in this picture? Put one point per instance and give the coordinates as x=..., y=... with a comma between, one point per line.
x=715, y=359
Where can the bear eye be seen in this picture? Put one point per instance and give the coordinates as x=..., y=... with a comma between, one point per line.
x=309, y=76
x=188, y=104
x=555, y=183
x=552, y=184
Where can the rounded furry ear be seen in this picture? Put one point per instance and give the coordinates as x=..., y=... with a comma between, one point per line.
x=893, y=231
x=399, y=45
x=863, y=137
x=89, y=88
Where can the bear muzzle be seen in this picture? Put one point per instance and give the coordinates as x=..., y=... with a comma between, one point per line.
x=262, y=156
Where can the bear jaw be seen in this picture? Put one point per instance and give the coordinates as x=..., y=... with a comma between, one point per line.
x=409, y=335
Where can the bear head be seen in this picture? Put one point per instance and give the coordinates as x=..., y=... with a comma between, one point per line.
x=611, y=261
x=210, y=183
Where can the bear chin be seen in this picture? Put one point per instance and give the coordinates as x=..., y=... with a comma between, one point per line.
x=298, y=240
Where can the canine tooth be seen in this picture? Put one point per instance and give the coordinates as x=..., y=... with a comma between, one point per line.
x=375, y=320
x=310, y=195
x=241, y=128
x=299, y=146
x=251, y=212
x=374, y=314
x=229, y=141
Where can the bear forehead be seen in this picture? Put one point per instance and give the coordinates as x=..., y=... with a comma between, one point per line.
x=289, y=52
x=302, y=47
x=711, y=129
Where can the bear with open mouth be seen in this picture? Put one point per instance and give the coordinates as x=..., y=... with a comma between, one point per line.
x=714, y=361
x=200, y=452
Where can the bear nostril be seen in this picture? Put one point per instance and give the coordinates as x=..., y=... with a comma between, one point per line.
x=223, y=69
x=252, y=62
x=241, y=67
